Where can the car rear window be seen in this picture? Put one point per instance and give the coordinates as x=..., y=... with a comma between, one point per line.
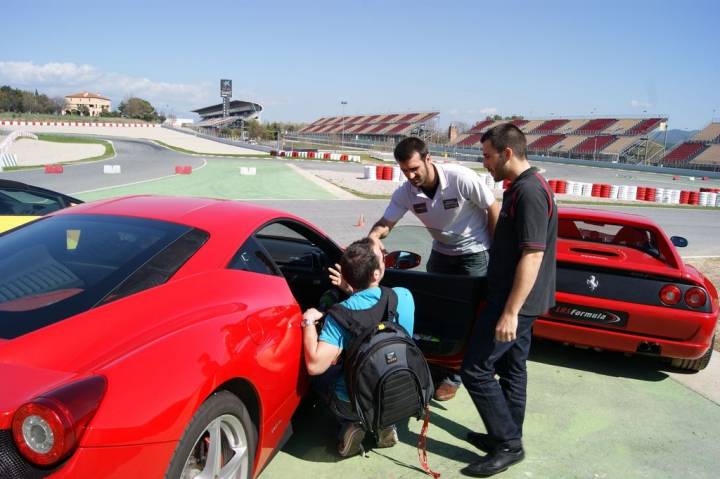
x=60, y=266
x=610, y=233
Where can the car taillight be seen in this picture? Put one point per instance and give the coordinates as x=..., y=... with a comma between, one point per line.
x=670, y=294
x=48, y=428
x=695, y=297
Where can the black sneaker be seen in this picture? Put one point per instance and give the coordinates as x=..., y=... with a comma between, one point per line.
x=351, y=442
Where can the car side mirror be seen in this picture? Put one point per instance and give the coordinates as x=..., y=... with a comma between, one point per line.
x=402, y=260
x=679, y=241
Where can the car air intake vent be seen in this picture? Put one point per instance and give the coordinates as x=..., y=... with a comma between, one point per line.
x=594, y=252
x=12, y=464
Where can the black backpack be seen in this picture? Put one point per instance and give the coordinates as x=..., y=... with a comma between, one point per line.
x=387, y=376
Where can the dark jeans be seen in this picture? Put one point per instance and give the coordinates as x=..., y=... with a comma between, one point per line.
x=501, y=403
x=472, y=264
x=324, y=386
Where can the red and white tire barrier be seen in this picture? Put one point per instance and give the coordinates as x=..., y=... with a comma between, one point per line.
x=78, y=123
x=708, y=197
x=322, y=155
x=381, y=172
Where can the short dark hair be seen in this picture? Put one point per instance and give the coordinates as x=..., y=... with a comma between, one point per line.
x=358, y=263
x=408, y=147
x=506, y=135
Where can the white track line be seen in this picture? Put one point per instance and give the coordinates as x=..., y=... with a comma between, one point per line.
x=136, y=182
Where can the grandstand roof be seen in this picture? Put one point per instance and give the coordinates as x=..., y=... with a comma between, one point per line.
x=236, y=106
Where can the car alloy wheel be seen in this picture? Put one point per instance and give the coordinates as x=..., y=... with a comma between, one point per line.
x=220, y=451
x=219, y=442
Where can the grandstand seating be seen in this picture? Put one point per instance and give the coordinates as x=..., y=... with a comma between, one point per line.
x=621, y=126
x=593, y=127
x=544, y=143
x=549, y=126
x=710, y=133
x=531, y=139
x=519, y=122
x=570, y=127
x=480, y=126
x=398, y=129
x=593, y=144
x=528, y=127
x=684, y=153
x=645, y=126
x=711, y=156
x=568, y=143
x=620, y=145
x=392, y=124
x=470, y=140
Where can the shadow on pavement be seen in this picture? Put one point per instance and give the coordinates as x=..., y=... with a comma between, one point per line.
x=608, y=363
x=315, y=437
x=315, y=433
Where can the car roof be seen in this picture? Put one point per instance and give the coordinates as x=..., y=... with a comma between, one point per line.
x=209, y=214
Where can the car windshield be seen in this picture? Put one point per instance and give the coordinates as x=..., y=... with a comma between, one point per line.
x=60, y=266
x=610, y=233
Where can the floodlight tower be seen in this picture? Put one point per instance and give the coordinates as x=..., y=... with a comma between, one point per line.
x=342, y=135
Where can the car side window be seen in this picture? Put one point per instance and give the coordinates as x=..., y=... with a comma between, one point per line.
x=253, y=257
x=25, y=203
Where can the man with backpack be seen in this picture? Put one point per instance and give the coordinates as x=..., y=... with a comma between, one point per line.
x=370, y=311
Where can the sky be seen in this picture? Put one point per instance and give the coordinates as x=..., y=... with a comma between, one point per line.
x=300, y=60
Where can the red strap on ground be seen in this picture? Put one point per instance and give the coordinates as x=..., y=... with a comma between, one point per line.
x=422, y=446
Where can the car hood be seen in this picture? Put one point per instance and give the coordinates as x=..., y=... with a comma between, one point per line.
x=22, y=383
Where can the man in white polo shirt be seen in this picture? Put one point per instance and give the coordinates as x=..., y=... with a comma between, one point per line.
x=457, y=208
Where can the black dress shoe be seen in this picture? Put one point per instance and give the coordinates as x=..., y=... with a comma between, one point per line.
x=481, y=440
x=495, y=462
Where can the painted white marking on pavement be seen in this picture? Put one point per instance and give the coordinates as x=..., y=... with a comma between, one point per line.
x=137, y=182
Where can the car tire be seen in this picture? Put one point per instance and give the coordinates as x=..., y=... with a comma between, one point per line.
x=222, y=428
x=695, y=365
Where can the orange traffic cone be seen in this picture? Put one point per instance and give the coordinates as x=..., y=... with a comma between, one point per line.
x=361, y=221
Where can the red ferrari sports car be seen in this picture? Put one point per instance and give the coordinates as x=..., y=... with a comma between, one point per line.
x=151, y=337
x=621, y=286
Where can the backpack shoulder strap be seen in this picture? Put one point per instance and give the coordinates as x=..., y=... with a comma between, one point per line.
x=344, y=317
x=392, y=304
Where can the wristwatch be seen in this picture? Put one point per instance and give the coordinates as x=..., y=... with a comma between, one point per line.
x=307, y=322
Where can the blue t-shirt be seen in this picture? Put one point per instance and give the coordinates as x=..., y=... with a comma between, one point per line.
x=333, y=333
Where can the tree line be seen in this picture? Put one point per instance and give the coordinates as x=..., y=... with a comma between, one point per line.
x=265, y=131
x=19, y=101
x=13, y=100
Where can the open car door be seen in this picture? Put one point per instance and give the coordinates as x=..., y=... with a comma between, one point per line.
x=446, y=306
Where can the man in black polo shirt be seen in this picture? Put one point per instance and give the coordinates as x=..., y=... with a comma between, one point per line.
x=521, y=285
